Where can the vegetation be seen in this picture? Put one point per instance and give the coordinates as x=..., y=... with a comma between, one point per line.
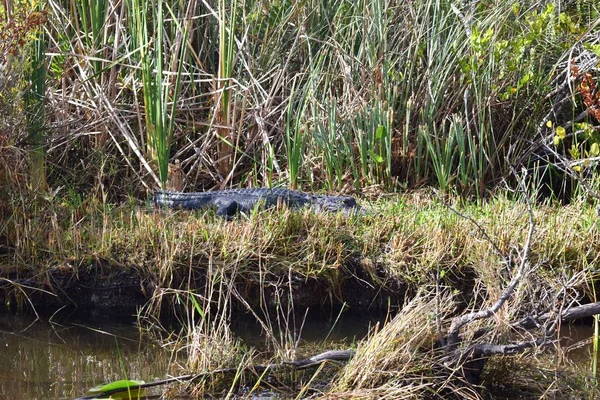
x=203, y=269
x=103, y=102
x=368, y=93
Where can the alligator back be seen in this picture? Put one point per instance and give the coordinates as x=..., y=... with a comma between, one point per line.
x=231, y=201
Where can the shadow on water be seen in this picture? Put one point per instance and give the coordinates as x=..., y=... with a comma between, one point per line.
x=576, y=342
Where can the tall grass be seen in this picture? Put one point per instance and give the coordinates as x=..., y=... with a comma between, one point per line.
x=338, y=94
x=35, y=111
x=224, y=102
x=149, y=41
x=295, y=135
x=92, y=19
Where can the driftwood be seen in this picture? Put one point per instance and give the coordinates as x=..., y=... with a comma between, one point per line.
x=469, y=357
x=314, y=361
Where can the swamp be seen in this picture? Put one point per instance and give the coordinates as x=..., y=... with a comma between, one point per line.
x=299, y=199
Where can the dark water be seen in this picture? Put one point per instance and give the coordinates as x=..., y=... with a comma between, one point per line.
x=576, y=344
x=45, y=360
x=51, y=360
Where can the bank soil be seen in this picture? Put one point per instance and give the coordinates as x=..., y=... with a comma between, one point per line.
x=104, y=288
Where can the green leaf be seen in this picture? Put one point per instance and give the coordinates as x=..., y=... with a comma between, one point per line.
x=595, y=48
x=525, y=79
x=574, y=151
x=123, y=385
x=380, y=133
x=378, y=159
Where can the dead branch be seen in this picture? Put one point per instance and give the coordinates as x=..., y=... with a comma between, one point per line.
x=313, y=361
x=459, y=322
x=570, y=314
x=487, y=350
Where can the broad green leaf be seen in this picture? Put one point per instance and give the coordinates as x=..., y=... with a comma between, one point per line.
x=378, y=159
x=380, y=132
x=124, y=384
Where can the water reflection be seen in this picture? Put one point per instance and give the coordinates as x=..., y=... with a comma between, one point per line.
x=64, y=358
x=576, y=342
x=43, y=360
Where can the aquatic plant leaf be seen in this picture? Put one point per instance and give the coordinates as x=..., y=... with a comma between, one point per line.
x=380, y=133
x=123, y=384
x=378, y=158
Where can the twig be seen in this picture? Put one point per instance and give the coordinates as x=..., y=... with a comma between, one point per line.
x=480, y=229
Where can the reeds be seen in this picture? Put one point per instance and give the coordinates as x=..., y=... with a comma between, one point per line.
x=334, y=95
x=367, y=93
x=35, y=111
x=147, y=21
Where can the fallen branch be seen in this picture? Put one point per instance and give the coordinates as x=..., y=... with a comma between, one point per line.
x=459, y=322
x=570, y=314
x=317, y=360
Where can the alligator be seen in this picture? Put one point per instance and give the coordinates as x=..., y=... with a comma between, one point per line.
x=233, y=201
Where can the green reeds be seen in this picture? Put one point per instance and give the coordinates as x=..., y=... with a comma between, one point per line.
x=373, y=132
x=223, y=93
x=92, y=15
x=369, y=92
x=149, y=40
x=455, y=155
x=295, y=137
x=332, y=140
x=35, y=111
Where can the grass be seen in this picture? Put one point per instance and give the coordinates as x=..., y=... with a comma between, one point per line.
x=35, y=111
x=406, y=237
x=397, y=360
x=369, y=93
x=203, y=268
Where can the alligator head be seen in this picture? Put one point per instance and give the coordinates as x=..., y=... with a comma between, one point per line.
x=344, y=204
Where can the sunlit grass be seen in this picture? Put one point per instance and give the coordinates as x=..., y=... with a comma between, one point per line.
x=406, y=237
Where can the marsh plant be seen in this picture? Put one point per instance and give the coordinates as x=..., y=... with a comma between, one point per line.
x=338, y=95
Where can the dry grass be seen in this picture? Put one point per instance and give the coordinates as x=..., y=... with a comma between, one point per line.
x=537, y=376
x=402, y=360
x=197, y=255
x=409, y=241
